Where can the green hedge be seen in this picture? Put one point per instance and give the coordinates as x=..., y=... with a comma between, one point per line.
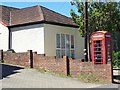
x=116, y=59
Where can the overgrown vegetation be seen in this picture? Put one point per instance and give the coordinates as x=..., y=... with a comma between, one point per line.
x=43, y=70
x=89, y=78
x=116, y=59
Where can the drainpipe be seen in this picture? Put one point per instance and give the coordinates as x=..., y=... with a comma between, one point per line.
x=9, y=38
x=9, y=33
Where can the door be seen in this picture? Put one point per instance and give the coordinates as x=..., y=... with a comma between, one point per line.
x=98, y=57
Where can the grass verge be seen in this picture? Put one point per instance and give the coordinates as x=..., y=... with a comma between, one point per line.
x=43, y=70
x=84, y=78
x=89, y=78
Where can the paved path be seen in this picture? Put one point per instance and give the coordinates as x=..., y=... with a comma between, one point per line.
x=30, y=78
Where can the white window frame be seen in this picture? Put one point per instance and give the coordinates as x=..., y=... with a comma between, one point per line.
x=60, y=45
x=65, y=45
x=74, y=45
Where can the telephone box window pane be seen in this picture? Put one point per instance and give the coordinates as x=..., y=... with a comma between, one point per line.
x=108, y=45
x=108, y=53
x=97, y=49
x=97, y=43
x=97, y=53
x=58, y=40
x=72, y=41
x=62, y=41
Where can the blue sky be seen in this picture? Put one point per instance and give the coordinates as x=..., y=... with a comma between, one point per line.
x=60, y=7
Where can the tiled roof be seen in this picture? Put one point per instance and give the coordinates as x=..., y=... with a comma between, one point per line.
x=5, y=13
x=14, y=16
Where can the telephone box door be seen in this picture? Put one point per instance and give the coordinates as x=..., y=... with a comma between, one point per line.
x=98, y=57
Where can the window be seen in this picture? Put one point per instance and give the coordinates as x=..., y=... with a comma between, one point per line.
x=64, y=45
x=72, y=41
x=72, y=53
x=62, y=41
x=67, y=42
x=62, y=53
x=58, y=53
x=58, y=40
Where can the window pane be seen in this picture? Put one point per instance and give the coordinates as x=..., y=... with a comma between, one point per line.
x=62, y=53
x=68, y=53
x=72, y=41
x=58, y=53
x=67, y=42
x=58, y=40
x=68, y=45
x=62, y=41
x=72, y=54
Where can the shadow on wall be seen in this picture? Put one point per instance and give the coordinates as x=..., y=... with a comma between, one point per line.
x=116, y=79
x=6, y=70
x=116, y=75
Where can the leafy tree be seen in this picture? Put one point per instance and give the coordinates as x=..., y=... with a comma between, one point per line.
x=102, y=16
x=116, y=59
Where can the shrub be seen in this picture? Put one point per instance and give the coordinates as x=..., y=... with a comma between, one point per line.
x=116, y=59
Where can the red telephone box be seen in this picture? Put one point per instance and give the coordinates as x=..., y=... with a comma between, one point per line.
x=101, y=47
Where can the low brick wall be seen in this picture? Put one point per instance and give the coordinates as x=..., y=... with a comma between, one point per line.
x=100, y=71
x=17, y=58
x=66, y=66
x=50, y=63
x=74, y=66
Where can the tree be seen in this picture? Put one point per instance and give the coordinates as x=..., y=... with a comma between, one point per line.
x=102, y=16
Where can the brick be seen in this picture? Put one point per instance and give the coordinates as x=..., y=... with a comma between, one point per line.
x=63, y=65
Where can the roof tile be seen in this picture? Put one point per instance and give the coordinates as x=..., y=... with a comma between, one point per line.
x=32, y=14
